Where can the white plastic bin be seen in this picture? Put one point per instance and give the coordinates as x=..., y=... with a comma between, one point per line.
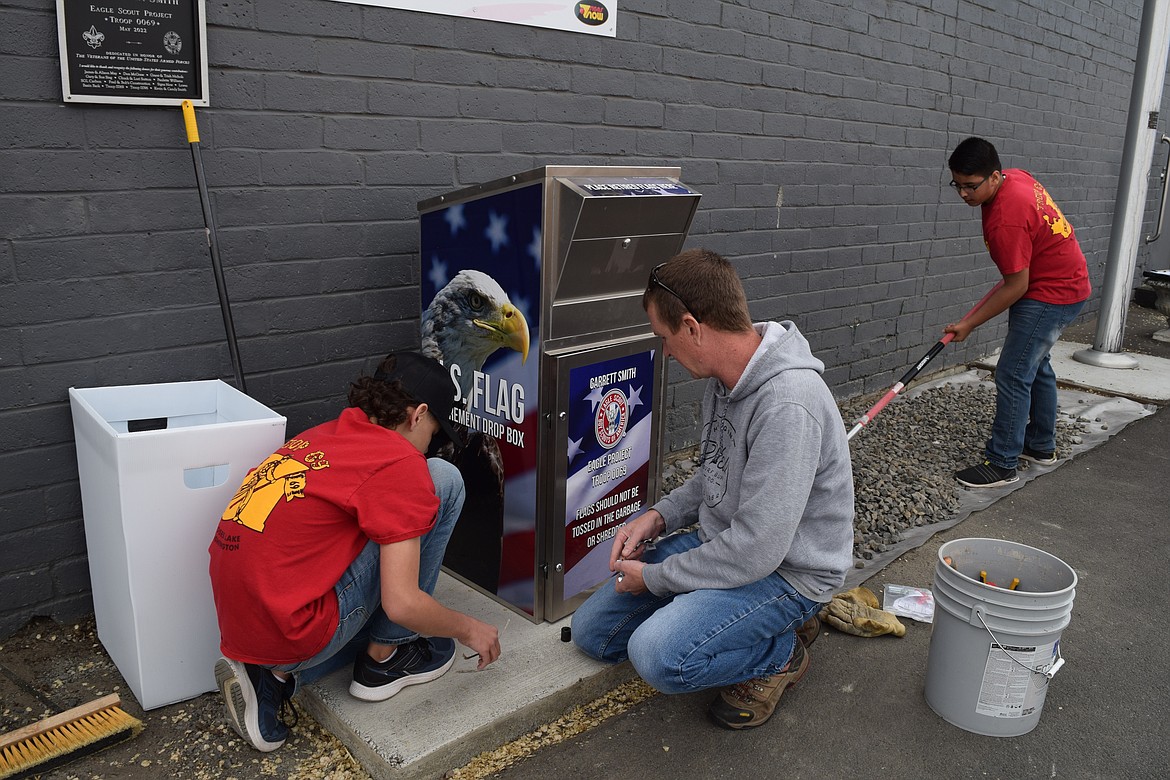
x=158, y=465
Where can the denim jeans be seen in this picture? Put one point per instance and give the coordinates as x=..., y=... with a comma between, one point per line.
x=359, y=591
x=687, y=642
x=1025, y=384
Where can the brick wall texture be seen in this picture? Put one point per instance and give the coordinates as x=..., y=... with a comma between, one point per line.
x=816, y=130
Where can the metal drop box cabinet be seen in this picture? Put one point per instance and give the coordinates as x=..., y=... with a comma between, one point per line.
x=531, y=295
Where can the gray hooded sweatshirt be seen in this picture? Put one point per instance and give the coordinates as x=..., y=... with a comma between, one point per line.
x=774, y=488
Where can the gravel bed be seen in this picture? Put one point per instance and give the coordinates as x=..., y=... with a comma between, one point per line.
x=904, y=460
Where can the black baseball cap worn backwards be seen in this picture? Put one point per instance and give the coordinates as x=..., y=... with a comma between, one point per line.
x=425, y=380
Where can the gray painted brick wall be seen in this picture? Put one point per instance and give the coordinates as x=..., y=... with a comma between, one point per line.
x=817, y=132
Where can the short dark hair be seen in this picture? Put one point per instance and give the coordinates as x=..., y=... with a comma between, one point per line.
x=708, y=284
x=974, y=157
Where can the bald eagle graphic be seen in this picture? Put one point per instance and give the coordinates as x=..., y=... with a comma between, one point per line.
x=467, y=321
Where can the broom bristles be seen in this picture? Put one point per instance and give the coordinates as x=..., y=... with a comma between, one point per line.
x=65, y=737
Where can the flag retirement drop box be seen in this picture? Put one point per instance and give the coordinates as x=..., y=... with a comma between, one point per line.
x=532, y=297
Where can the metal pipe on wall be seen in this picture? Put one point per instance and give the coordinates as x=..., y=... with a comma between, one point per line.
x=1124, y=239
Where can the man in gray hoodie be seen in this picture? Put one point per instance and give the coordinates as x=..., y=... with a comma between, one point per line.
x=732, y=604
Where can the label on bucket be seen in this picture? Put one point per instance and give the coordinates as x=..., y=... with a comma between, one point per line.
x=1009, y=690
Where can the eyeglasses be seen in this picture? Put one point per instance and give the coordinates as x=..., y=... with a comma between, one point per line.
x=655, y=280
x=960, y=188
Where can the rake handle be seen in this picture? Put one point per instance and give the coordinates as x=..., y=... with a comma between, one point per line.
x=913, y=371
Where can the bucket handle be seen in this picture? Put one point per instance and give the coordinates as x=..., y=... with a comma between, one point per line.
x=977, y=611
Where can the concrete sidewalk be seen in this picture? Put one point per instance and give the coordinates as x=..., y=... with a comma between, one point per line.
x=1149, y=382
x=429, y=729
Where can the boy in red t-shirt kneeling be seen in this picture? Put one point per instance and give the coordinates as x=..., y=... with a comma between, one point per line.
x=330, y=551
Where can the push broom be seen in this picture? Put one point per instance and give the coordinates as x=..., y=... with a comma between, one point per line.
x=900, y=385
x=62, y=738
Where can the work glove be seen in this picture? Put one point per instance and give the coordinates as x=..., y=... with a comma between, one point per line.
x=856, y=612
x=860, y=595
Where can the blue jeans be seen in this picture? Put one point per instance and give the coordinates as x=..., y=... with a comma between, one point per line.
x=1025, y=384
x=359, y=591
x=687, y=642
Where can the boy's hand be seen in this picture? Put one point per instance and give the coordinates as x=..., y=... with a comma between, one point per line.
x=484, y=639
x=961, y=330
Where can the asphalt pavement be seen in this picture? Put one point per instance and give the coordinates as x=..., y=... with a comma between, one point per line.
x=861, y=711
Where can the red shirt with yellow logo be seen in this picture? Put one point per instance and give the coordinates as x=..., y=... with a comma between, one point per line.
x=1024, y=228
x=298, y=521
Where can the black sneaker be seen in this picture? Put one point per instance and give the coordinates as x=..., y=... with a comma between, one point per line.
x=420, y=661
x=255, y=701
x=1043, y=458
x=985, y=475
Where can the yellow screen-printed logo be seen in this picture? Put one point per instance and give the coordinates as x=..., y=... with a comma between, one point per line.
x=279, y=475
x=1051, y=213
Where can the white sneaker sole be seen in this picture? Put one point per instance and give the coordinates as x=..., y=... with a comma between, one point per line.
x=240, y=700
x=384, y=692
x=1001, y=483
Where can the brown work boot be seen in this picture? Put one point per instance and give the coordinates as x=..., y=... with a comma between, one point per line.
x=809, y=631
x=750, y=703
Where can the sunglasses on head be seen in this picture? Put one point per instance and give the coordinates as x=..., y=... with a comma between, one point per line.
x=655, y=280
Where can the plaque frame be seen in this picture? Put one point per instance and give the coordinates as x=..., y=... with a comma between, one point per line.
x=196, y=91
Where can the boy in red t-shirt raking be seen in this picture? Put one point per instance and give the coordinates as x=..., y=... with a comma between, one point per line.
x=1045, y=284
x=329, y=552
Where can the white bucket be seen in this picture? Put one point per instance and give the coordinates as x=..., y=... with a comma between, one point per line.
x=993, y=650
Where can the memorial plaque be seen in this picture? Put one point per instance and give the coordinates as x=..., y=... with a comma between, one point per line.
x=146, y=52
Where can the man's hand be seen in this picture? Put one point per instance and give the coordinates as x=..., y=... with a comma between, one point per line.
x=629, y=579
x=630, y=539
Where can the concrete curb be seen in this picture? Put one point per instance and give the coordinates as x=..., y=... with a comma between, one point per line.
x=426, y=730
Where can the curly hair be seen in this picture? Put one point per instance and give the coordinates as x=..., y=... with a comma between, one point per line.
x=388, y=403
